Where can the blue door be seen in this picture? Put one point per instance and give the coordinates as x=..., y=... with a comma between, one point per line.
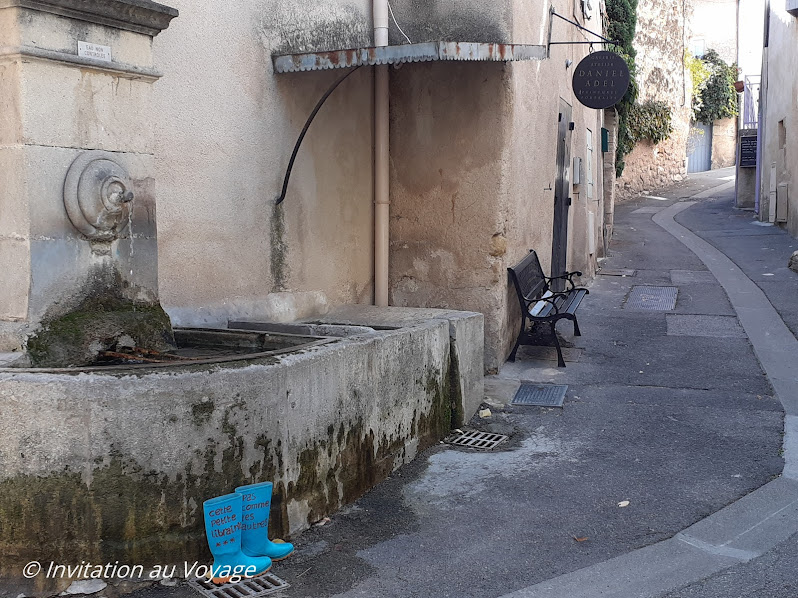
x=699, y=148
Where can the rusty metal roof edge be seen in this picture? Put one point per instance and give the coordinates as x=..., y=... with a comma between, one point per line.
x=422, y=52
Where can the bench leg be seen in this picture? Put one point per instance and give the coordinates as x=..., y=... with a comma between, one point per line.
x=576, y=328
x=517, y=342
x=560, y=360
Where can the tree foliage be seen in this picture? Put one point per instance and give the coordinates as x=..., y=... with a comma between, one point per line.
x=714, y=96
x=650, y=120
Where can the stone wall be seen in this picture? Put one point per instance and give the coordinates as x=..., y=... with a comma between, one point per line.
x=661, y=76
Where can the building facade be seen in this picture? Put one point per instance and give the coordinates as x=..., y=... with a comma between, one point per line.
x=778, y=165
x=472, y=161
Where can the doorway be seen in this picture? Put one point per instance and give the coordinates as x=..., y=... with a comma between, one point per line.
x=699, y=148
x=562, y=196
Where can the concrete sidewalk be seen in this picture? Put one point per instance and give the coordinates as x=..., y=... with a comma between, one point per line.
x=672, y=411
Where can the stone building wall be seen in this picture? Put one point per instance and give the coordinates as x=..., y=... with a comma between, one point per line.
x=660, y=44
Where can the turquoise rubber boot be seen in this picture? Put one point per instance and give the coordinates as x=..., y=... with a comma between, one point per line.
x=257, y=504
x=223, y=529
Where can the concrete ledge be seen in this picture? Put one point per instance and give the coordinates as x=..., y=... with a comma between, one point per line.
x=140, y=16
x=466, y=332
x=115, y=68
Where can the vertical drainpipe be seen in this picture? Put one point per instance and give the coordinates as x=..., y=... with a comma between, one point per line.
x=381, y=160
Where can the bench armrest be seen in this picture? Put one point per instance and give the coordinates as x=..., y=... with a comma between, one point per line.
x=568, y=276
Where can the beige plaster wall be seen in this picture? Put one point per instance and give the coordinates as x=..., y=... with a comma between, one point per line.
x=661, y=76
x=226, y=128
x=779, y=141
x=724, y=143
x=473, y=168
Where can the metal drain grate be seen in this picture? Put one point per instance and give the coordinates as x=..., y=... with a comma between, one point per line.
x=652, y=298
x=478, y=440
x=617, y=272
x=540, y=395
x=265, y=585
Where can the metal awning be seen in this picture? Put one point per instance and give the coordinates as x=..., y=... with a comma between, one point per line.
x=424, y=52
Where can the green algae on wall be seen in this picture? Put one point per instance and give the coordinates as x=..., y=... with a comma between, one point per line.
x=98, y=324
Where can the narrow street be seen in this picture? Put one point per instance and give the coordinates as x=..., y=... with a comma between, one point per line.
x=668, y=410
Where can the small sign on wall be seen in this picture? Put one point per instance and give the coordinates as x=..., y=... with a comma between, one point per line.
x=94, y=51
x=748, y=151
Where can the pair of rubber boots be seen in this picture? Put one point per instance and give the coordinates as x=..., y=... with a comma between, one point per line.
x=237, y=529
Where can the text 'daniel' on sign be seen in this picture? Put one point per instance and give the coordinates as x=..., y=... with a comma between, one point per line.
x=601, y=80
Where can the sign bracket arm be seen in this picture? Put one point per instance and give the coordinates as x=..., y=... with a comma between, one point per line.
x=578, y=26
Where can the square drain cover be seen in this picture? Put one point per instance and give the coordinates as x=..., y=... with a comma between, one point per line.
x=652, y=298
x=265, y=585
x=540, y=395
x=692, y=276
x=478, y=440
x=710, y=326
x=617, y=272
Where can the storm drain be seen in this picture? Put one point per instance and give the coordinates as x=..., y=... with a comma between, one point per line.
x=617, y=272
x=265, y=585
x=477, y=440
x=652, y=298
x=540, y=395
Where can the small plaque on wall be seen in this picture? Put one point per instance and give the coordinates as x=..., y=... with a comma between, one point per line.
x=748, y=145
x=94, y=51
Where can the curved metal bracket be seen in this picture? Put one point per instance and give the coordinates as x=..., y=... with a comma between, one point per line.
x=301, y=138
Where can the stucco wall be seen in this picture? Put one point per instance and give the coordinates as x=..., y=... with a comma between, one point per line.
x=473, y=167
x=226, y=127
x=779, y=164
x=661, y=76
x=724, y=142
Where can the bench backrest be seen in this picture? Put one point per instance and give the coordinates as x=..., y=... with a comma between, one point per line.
x=528, y=278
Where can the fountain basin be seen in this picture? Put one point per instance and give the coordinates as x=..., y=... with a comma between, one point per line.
x=113, y=464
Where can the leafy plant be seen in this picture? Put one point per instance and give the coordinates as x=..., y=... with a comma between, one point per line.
x=714, y=96
x=621, y=26
x=650, y=120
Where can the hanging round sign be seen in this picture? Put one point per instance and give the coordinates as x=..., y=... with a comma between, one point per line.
x=601, y=79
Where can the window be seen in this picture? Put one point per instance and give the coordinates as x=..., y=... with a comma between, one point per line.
x=698, y=47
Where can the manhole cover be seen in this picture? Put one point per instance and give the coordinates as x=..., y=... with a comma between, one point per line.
x=710, y=326
x=265, y=585
x=617, y=272
x=540, y=395
x=692, y=276
x=477, y=440
x=652, y=298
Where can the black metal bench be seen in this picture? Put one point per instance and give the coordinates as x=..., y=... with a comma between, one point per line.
x=541, y=302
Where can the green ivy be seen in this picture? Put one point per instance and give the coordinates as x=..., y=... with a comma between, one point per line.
x=714, y=96
x=650, y=120
x=621, y=26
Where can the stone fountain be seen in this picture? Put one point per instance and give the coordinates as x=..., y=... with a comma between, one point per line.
x=108, y=463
